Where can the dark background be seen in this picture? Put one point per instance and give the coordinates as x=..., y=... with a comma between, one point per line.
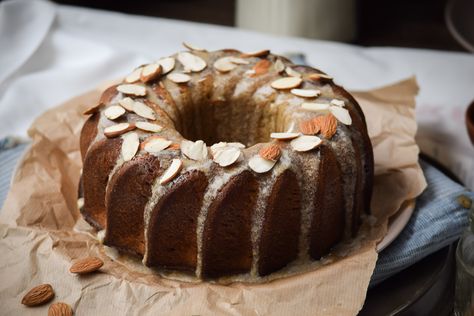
x=403, y=23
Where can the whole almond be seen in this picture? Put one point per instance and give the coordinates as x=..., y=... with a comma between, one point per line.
x=309, y=127
x=261, y=67
x=38, y=295
x=327, y=125
x=271, y=152
x=86, y=265
x=60, y=309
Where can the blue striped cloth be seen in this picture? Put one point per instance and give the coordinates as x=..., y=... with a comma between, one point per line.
x=438, y=220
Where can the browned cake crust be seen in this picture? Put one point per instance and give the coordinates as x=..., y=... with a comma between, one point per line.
x=251, y=205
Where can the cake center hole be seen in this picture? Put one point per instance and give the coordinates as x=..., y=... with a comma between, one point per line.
x=245, y=123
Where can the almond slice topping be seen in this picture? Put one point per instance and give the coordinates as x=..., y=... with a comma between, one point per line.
x=134, y=76
x=337, y=102
x=194, y=150
x=224, y=64
x=113, y=112
x=150, y=72
x=292, y=73
x=305, y=143
x=259, y=53
x=309, y=127
x=149, y=127
x=226, y=156
x=238, y=61
x=118, y=129
x=327, y=124
x=133, y=89
x=315, y=107
x=172, y=171
x=306, y=93
x=223, y=145
x=286, y=83
x=261, y=67
x=93, y=109
x=191, y=62
x=341, y=114
x=279, y=66
x=261, y=165
x=155, y=144
x=167, y=64
x=317, y=77
x=143, y=110
x=179, y=77
x=270, y=152
x=127, y=103
x=284, y=136
x=193, y=47
x=130, y=145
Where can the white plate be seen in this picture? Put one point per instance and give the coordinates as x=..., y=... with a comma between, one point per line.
x=396, y=224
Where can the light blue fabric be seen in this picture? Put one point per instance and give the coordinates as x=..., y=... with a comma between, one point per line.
x=438, y=220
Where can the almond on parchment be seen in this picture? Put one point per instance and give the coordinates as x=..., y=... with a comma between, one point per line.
x=38, y=295
x=86, y=265
x=270, y=152
x=59, y=309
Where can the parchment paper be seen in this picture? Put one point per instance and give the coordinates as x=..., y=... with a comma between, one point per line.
x=38, y=226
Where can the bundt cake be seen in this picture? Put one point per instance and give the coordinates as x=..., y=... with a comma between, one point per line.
x=222, y=163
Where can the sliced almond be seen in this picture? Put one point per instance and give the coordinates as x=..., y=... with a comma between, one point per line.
x=86, y=265
x=167, y=64
x=172, y=171
x=305, y=143
x=327, y=124
x=174, y=146
x=270, y=152
x=130, y=145
x=113, y=112
x=143, y=110
x=191, y=62
x=279, y=66
x=155, y=144
x=227, y=156
x=284, y=136
x=341, y=114
x=315, y=107
x=261, y=165
x=259, y=53
x=59, y=309
x=292, y=73
x=194, y=150
x=149, y=127
x=306, y=93
x=132, y=89
x=177, y=77
x=317, y=77
x=150, y=72
x=118, y=129
x=224, y=64
x=193, y=47
x=286, y=83
x=93, y=109
x=134, y=76
x=238, y=61
x=309, y=127
x=38, y=295
x=223, y=145
x=127, y=103
x=261, y=67
x=337, y=102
